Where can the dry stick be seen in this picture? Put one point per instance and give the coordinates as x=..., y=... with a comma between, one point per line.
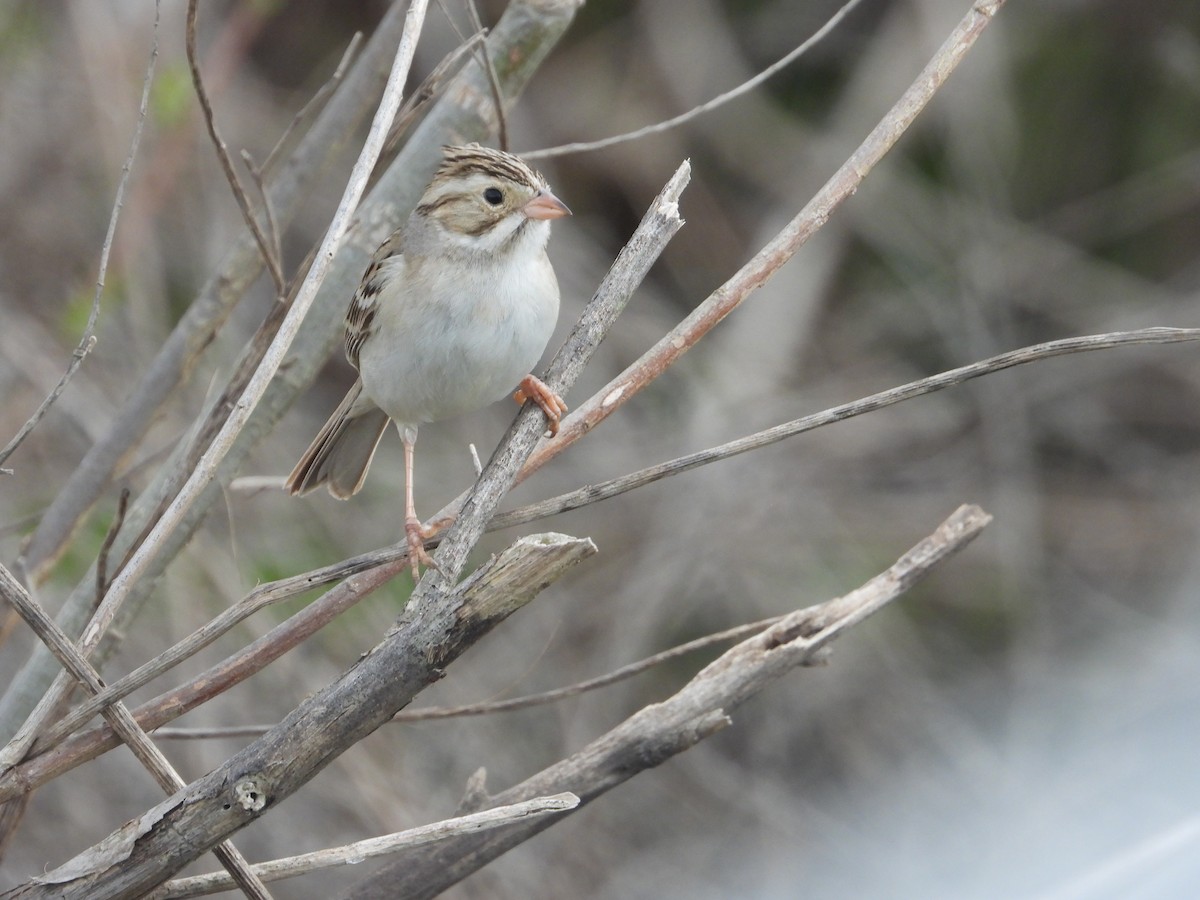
x=260, y=184
x=661, y=730
x=270, y=256
x=353, y=854
x=144, y=853
x=88, y=341
x=513, y=703
x=708, y=106
x=433, y=84
x=493, y=80
x=274, y=592
x=102, y=559
x=314, y=105
x=119, y=718
x=206, y=468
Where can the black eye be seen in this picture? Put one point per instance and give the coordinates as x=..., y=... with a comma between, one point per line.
x=494, y=196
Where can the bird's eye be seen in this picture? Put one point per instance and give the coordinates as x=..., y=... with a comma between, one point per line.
x=494, y=196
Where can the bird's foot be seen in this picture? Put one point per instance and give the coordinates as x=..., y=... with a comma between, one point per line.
x=415, y=535
x=533, y=388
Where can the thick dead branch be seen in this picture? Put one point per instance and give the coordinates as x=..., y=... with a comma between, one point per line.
x=156, y=845
x=658, y=732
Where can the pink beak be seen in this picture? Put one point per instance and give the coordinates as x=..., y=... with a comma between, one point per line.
x=545, y=206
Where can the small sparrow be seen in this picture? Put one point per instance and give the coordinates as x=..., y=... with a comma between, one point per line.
x=454, y=310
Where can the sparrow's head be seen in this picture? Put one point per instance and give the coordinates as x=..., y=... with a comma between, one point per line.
x=486, y=200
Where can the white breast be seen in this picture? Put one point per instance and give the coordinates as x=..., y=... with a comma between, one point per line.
x=455, y=338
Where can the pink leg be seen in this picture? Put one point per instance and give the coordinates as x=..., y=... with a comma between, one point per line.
x=413, y=533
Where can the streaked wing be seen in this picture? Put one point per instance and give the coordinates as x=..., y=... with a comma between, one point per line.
x=360, y=317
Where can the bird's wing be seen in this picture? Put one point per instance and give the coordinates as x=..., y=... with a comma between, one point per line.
x=360, y=317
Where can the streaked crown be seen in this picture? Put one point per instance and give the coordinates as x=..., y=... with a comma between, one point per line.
x=477, y=195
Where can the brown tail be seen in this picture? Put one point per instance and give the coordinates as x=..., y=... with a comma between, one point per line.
x=341, y=453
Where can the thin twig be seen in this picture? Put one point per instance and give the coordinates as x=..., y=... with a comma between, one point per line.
x=493, y=80
x=708, y=106
x=88, y=341
x=513, y=703
x=273, y=236
x=315, y=103
x=353, y=854
x=433, y=84
x=113, y=531
x=270, y=258
x=1025, y=355
x=122, y=723
x=591, y=684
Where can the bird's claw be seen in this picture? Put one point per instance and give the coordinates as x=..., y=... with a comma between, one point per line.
x=551, y=404
x=415, y=536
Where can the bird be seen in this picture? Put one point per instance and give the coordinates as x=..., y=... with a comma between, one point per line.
x=453, y=312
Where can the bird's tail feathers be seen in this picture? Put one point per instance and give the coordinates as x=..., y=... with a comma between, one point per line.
x=341, y=453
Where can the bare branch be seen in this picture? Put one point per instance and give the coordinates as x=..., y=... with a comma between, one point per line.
x=88, y=341
x=353, y=854
x=706, y=107
x=332, y=131
x=314, y=104
x=274, y=592
x=521, y=40
x=434, y=83
x=656, y=229
x=270, y=257
x=512, y=704
x=273, y=237
x=113, y=531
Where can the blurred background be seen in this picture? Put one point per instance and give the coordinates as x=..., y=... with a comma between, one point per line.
x=1024, y=723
